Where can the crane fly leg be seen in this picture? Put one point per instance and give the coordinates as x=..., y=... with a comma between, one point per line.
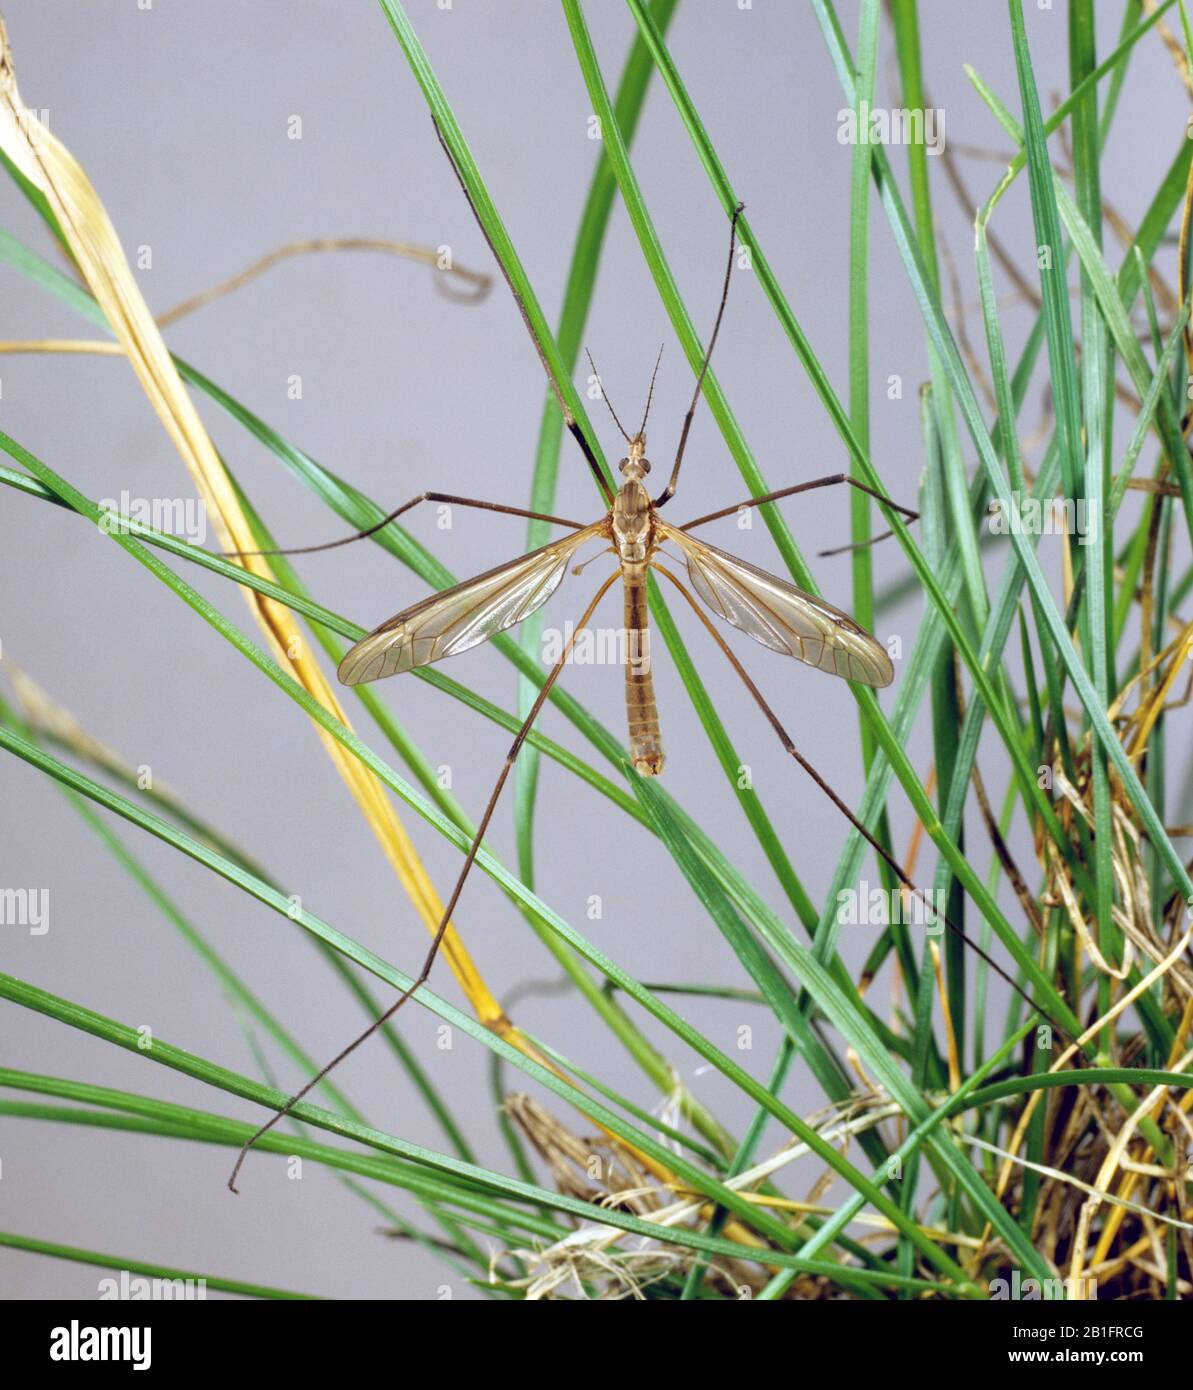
x=673, y=482
x=447, y=497
x=855, y=545
x=450, y=907
x=787, y=742
x=832, y=480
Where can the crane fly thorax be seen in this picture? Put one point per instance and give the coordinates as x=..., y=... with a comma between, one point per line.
x=633, y=513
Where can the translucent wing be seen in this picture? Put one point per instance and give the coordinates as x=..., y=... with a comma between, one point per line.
x=779, y=615
x=448, y=623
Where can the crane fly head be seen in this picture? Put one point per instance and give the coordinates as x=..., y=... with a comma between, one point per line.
x=636, y=465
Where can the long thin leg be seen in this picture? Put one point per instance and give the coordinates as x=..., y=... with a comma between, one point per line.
x=405, y=507
x=786, y=740
x=856, y=545
x=832, y=480
x=669, y=491
x=568, y=418
x=469, y=860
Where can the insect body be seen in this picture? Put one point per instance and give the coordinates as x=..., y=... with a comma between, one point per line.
x=771, y=610
x=632, y=524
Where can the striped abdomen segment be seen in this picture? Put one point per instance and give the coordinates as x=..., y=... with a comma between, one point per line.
x=646, y=748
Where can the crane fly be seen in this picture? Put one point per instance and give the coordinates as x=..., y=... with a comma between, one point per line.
x=771, y=610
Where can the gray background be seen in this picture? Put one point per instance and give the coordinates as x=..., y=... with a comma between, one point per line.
x=179, y=115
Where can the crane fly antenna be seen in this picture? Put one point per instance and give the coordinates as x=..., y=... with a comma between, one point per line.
x=669, y=491
x=604, y=397
x=450, y=907
x=650, y=393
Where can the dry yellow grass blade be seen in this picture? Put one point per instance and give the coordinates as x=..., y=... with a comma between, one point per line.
x=1010, y=1151
x=1131, y=1173
x=97, y=253
x=1158, y=697
x=1183, y=1106
x=99, y=257
x=96, y=347
x=1100, y=1191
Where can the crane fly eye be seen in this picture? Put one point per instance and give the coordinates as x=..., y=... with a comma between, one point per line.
x=644, y=464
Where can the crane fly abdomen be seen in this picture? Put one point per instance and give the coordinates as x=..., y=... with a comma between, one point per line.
x=642, y=713
x=632, y=521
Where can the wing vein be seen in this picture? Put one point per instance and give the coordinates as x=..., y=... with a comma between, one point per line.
x=780, y=616
x=445, y=624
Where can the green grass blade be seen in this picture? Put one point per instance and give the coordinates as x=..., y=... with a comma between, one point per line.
x=121, y=1263
x=577, y=300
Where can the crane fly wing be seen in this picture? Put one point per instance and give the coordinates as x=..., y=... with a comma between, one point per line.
x=445, y=624
x=779, y=615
